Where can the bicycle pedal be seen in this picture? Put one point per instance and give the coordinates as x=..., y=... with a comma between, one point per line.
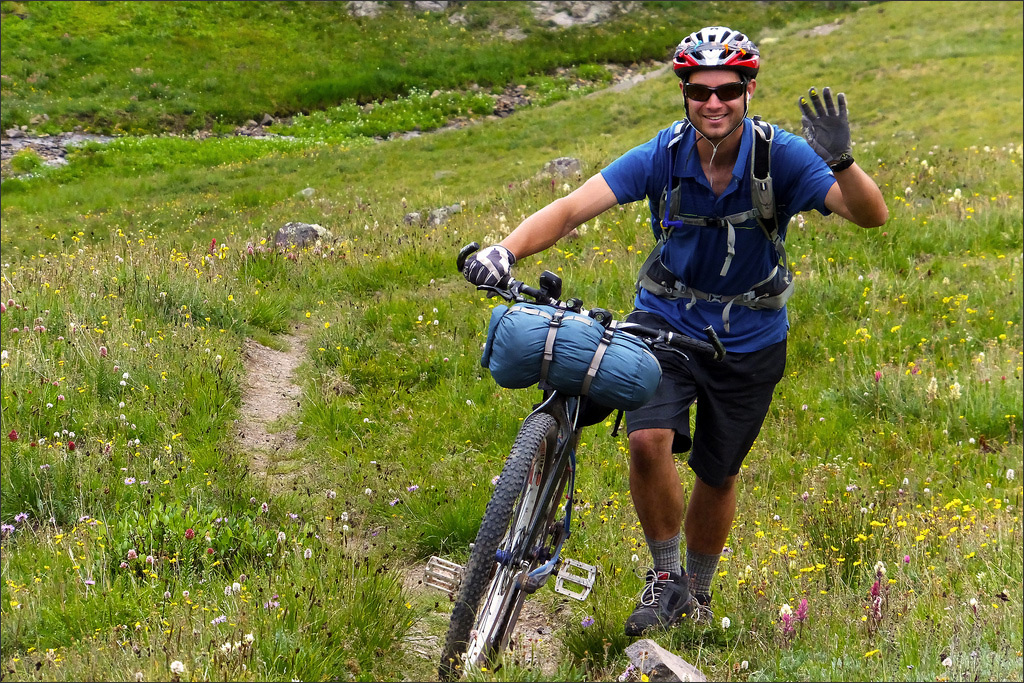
x=443, y=574
x=567, y=575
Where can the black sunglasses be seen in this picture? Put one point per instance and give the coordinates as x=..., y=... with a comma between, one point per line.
x=726, y=92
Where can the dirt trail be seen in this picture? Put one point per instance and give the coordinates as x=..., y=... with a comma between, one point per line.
x=270, y=394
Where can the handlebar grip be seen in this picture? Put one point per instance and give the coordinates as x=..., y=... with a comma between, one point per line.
x=465, y=253
x=678, y=341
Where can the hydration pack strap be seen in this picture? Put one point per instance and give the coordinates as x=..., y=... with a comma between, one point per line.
x=762, y=192
x=770, y=293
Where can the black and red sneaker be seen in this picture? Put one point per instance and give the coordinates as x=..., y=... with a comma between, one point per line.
x=664, y=601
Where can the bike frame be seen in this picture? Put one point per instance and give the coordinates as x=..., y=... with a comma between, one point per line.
x=565, y=410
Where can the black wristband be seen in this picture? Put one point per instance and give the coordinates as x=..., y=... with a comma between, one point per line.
x=844, y=162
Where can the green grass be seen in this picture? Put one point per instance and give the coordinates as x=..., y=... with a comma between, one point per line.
x=135, y=274
x=142, y=67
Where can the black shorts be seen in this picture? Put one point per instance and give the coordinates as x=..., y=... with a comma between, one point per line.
x=732, y=396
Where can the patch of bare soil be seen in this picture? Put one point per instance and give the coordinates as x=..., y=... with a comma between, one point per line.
x=534, y=642
x=270, y=394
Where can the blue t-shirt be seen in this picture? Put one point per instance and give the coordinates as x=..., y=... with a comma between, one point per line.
x=696, y=254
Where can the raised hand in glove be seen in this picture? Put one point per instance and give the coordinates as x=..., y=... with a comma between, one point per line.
x=826, y=128
x=489, y=267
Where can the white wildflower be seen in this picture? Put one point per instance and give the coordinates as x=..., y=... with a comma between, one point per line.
x=954, y=390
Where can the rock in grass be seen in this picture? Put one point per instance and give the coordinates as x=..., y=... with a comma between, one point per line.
x=658, y=664
x=563, y=167
x=434, y=218
x=301, y=234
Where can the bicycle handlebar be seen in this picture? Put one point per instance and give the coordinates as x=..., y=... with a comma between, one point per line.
x=517, y=291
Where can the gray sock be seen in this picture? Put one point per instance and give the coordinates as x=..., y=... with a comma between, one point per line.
x=666, y=554
x=701, y=570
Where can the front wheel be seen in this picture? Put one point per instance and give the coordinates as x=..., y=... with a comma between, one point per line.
x=509, y=544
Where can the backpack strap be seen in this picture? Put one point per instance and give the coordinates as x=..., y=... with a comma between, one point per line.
x=761, y=192
x=669, y=204
x=773, y=291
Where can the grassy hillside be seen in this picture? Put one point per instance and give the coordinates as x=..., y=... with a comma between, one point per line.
x=139, y=532
x=151, y=66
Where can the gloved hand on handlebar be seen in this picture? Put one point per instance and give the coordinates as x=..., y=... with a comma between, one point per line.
x=489, y=267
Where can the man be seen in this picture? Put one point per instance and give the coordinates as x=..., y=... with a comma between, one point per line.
x=719, y=260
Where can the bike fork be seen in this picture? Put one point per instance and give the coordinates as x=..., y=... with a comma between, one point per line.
x=533, y=581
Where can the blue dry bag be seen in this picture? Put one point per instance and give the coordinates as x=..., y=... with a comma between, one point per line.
x=572, y=353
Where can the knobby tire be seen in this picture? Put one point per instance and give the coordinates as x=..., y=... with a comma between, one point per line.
x=512, y=505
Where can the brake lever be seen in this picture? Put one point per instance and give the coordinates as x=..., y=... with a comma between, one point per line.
x=506, y=293
x=495, y=291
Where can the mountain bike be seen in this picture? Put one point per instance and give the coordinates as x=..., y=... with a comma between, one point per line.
x=528, y=518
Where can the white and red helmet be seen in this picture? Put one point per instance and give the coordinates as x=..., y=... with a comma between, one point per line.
x=716, y=47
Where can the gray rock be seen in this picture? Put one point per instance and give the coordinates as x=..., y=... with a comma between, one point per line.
x=442, y=215
x=52, y=149
x=562, y=20
x=568, y=14
x=434, y=218
x=301, y=234
x=364, y=9
x=563, y=167
x=661, y=665
x=427, y=6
